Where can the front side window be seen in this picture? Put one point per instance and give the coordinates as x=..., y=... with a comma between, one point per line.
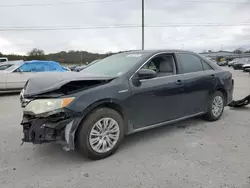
x=190, y=63
x=163, y=65
x=28, y=67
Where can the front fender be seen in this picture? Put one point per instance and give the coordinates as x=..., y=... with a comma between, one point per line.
x=71, y=128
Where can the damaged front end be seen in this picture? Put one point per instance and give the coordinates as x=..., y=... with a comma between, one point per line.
x=47, y=115
x=58, y=127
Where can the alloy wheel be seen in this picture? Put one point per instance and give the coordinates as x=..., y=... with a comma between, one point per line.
x=104, y=135
x=217, y=106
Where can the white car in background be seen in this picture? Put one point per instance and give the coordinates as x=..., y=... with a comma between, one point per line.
x=3, y=59
x=246, y=67
x=231, y=63
x=14, y=78
x=222, y=63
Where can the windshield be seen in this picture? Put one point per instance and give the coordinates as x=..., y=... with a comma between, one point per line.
x=114, y=65
x=3, y=67
x=243, y=60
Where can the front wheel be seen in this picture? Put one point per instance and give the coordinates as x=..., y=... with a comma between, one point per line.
x=100, y=134
x=215, y=107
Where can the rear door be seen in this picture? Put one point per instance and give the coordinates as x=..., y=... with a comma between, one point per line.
x=199, y=82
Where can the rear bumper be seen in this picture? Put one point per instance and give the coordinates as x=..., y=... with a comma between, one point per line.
x=60, y=128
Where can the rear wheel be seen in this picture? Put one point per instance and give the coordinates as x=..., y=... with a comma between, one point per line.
x=100, y=134
x=215, y=107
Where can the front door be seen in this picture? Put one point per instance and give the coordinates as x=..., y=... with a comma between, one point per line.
x=17, y=80
x=159, y=99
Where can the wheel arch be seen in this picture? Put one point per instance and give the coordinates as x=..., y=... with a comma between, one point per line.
x=224, y=92
x=107, y=103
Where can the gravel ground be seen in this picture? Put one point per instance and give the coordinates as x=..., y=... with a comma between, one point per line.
x=189, y=154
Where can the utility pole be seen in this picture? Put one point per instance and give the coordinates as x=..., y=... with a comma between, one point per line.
x=142, y=25
x=81, y=56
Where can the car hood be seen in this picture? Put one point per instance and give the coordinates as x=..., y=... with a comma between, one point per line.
x=47, y=82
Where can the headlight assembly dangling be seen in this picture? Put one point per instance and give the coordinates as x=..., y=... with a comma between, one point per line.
x=40, y=106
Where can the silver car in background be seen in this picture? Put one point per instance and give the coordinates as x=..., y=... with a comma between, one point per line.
x=14, y=77
x=6, y=65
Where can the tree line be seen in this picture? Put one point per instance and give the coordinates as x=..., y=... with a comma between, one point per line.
x=69, y=57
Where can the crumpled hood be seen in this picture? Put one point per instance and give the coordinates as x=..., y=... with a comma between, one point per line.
x=46, y=82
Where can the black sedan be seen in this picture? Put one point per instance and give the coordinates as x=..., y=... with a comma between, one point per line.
x=241, y=62
x=91, y=111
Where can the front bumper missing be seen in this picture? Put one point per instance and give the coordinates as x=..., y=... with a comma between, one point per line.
x=60, y=129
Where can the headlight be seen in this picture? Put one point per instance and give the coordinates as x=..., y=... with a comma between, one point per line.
x=41, y=106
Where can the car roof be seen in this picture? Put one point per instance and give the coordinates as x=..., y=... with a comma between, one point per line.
x=35, y=61
x=159, y=51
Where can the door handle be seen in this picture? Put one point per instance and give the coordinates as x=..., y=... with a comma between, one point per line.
x=179, y=82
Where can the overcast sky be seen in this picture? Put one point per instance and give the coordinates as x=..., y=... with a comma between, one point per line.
x=157, y=12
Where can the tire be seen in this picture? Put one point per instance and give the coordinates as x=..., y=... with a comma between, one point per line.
x=211, y=114
x=88, y=127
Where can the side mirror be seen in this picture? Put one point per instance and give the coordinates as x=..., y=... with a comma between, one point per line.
x=146, y=74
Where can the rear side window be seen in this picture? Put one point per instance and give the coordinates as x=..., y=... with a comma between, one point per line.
x=47, y=67
x=190, y=63
x=39, y=67
x=206, y=66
